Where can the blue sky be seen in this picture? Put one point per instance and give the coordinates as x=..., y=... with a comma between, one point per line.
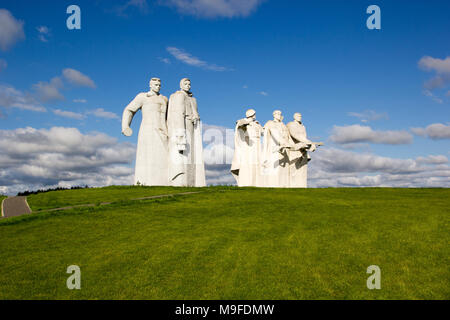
x=350, y=83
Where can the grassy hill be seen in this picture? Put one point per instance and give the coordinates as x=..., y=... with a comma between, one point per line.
x=230, y=243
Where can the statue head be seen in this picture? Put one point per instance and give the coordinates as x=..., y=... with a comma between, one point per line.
x=250, y=113
x=155, y=84
x=185, y=85
x=298, y=116
x=277, y=116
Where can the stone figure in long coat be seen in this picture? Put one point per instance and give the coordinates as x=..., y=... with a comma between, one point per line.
x=152, y=147
x=275, y=152
x=186, y=167
x=298, y=155
x=246, y=165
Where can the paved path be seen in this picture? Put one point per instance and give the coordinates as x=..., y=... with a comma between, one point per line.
x=15, y=206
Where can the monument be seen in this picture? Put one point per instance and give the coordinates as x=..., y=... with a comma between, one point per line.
x=298, y=155
x=186, y=167
x=152, y=152
x=283, y=161
x=275, y=152
x=246, y=165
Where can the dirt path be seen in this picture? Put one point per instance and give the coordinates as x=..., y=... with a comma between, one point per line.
x=15, y=206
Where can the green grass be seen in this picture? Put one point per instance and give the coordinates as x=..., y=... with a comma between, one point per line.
x=233, y=243
x=63, y=198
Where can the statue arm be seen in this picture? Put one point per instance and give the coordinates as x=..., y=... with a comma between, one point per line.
x=195, y=109
x=242, y=123
x=299, y=136
x=277, y=137
x=176, y=122
x=129, y=112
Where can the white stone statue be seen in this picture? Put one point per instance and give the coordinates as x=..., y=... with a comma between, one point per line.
x=246, y=165
x=152, y=148
x=186, y=167
x=298, y=155
x=275, y=152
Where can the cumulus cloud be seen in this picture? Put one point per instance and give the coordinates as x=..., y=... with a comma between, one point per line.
x=263, y=93
x=36, y=158
x=11, y=30
x=339, y=168
x=433, y=159
x=189, y=59
x=102, y=113
x=69, y=114
x=49, y=91
x=77, y=78
x=435, y=64
x=441, y=68
x=364, y=134
x=214, y=8
x=368, y=115
x=13, y=98
x=434, y=131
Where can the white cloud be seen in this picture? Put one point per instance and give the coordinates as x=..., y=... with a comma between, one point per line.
x=434, y=131
x=77, y=78
x=430, y=94
x=357, y=134
x=13, y=98
x=431, y=159
x=435, y=64
x=263, y=93
x=165, y=60
x=441, y=67
x=36, y=158
x=368, y=115
x=214, y=8
x=68, y=114
x=187, y=58
x=43, y=33
x=49, y=91
x=80, y=100
x=101, y=113
x=11, y=30
x=3, y=65
x=331, y=167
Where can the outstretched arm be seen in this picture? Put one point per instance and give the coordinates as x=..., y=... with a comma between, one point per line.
x=128, y=114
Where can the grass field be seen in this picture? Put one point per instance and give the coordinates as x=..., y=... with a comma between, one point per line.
x=230, y=243
x=63, y=198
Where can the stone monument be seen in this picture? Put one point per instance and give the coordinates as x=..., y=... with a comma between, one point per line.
x=186, y=167
x=298, y=155
x=275, y=152
x=246, y=165
x=152, y=152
